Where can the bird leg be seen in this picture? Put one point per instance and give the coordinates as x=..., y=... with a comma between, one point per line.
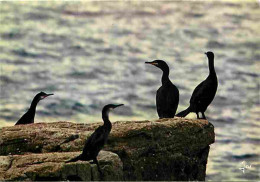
x=198, y=117
x=203, y=115
x=99, y=170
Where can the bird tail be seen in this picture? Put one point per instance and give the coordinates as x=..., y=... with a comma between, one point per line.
x=74, y=159
x=184, y=113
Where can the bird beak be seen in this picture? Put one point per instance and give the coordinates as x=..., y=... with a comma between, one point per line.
x=119, y=105
x=205, y=53
x=152, y=63
x=48, y=95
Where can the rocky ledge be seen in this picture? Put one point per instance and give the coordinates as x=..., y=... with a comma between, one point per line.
x=51, y=167
x=165, y=149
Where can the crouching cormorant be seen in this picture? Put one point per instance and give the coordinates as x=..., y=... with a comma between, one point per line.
x=204, y=93
x=167, y=96
x=28, y=117
x=97, y=140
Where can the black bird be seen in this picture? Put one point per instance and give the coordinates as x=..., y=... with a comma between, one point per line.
x=97, y=140
x=28, y=117
x=204, y=93
x=167, y=96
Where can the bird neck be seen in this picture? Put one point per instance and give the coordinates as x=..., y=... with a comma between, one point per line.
x=165, y=76
x=211, y=66
x=34, y=104
x=106, y=118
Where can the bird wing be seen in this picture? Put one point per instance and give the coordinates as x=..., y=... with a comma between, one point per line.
x=173, y=97
x=201, y=92
x=167, y=99
x=198, y=91
x=158, y=98
x=24, y=119
x=94, y=139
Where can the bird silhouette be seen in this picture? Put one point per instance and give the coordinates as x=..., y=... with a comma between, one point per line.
x=167, y=96
x=28, y=117
x=97, y=140
x=204, y=93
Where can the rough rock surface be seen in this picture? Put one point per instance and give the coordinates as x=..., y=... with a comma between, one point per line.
x=166, y=149
x=51, y=166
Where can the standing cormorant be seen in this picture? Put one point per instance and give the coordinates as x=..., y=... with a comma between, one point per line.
x=28, y=117
x=97, y=140
x=204, y=93
x=167, y=96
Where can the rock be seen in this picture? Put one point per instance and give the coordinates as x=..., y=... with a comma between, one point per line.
x=165, y=149
x=51, y=167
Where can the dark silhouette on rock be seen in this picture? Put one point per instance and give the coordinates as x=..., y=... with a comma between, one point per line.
x=98, y=139
x=28, y=117
x=158, y=150
x=167, y=96
x=204, y=93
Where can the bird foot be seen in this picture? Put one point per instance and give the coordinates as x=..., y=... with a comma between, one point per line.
x=99, y=170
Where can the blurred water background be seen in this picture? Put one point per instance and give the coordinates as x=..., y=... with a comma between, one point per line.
x=92, y=53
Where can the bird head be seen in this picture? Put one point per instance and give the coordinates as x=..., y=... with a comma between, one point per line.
x=159, y=63
x=110, y=107
x=210, y=55
x=42, y=95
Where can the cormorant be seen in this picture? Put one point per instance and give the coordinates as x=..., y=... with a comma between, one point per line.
x=97, y=140
x=167, y=96
x=28, y=117
x=204, y=93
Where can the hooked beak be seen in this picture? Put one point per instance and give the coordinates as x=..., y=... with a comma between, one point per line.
x=118, y=105
x=152, y=63
x=47, y=95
